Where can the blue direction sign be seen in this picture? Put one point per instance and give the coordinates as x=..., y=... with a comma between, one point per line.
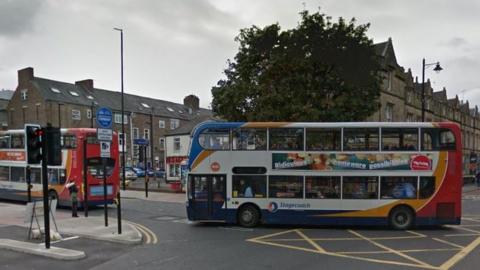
x=104, y=118
x=140, y=141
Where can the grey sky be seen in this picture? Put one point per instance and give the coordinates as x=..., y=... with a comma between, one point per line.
x=178, y=47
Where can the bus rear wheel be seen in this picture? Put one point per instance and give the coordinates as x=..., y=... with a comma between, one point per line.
x=248, y=216
x=401, y=218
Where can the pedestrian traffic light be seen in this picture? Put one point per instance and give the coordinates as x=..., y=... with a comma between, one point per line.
x=54, y=147
x=34, y=143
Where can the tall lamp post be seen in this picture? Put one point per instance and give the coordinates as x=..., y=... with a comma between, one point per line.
x=123, y=108
x=437, y=69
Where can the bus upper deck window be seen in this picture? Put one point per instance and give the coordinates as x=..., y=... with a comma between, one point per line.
x=288, y=139
x=215, y=139
x=447, y=140
x=434, y=139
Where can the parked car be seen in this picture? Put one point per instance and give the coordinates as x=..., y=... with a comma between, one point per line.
x=160, y=173
x=139, y=171
x=129, y=173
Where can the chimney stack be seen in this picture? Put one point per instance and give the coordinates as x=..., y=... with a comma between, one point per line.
x=25, y=76
x=87, y=84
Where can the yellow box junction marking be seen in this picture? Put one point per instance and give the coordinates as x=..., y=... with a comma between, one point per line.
x=276, y=240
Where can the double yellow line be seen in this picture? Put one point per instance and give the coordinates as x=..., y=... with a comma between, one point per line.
x=149, y=237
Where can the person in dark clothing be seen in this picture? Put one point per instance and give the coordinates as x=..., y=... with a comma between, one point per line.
x=74, y=198
x=477, y=177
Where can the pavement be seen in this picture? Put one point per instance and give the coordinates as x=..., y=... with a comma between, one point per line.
x=92, y=227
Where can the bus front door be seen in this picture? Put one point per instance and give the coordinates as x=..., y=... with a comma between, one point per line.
x=208, y=196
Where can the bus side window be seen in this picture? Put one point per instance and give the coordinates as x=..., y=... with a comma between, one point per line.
x=288, y=139
x=427, y=139
x=427, y=187
x=323, y=139
x=249, y=186
x=4, y=173
x=437, y=139
x=5, y=141
x=17, y=141
x=215, y=139
x=249, y=139
x=360, y=139
x=447, y=140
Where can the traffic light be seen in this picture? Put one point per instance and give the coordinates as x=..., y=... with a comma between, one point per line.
x=54, y=147
x=34, y=143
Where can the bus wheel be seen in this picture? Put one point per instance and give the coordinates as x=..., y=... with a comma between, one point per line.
x=248, y=216
x=401, y=218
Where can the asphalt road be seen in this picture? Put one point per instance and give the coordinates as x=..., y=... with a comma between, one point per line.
x=173, y=243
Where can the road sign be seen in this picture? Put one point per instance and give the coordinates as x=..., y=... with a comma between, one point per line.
x=104, y=118
x=140, y=141
x=104, y=134
x=105, y=149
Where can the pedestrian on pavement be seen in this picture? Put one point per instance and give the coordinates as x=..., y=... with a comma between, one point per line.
x=74, y=197
x=477, y=177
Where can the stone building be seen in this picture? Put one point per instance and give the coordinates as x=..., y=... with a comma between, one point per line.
x=42, y=101
x=401, y=101
x=5, y=96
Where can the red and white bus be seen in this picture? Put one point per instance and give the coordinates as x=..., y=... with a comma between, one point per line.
x=13, y=165
x=376, y=173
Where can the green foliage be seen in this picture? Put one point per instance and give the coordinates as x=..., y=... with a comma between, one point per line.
x=319, y=71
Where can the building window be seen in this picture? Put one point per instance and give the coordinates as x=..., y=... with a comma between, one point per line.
x=118, y=118
x=174, y=123
x=161, y=123
x=176, y=144
x=389, y=112
x=135, y=133
x=409, y=97
x=76, y=115
x=89, y=114
x=24, y=94
x=410, y=117
x=390, y=81
x=162, y=143
x=146, y=134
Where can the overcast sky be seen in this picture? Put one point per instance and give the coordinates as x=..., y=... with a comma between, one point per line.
x=174, y=48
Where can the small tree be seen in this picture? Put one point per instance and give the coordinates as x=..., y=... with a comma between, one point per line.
x=318, y=71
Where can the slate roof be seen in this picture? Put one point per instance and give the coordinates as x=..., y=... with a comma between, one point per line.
x=6, y=94
x=186, y=128
x=65, y=92
x=386, y=51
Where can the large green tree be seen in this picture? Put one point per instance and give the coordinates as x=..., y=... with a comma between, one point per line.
x=318, y=71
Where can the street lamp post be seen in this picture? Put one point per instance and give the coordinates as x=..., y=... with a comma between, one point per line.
x=437, y=69
x=119, y=212
x=123, y=107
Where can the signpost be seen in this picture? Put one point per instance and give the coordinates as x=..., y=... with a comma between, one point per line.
x=104, y=135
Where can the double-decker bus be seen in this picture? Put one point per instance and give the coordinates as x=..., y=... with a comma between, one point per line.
x=13, y=168
x=369, y=173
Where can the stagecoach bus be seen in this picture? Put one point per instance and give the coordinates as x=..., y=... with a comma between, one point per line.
x=13, y=171
x=368, y=173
